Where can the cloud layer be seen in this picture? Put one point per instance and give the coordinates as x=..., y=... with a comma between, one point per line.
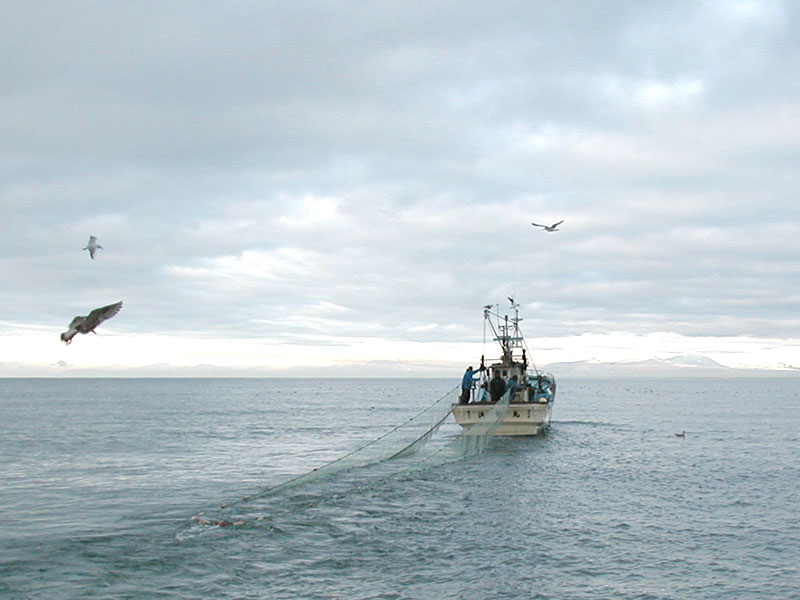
x=320, y=174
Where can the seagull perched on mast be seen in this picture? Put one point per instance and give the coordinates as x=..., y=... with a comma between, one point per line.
x=553, y=227
x=92, y=246
x=90, y=322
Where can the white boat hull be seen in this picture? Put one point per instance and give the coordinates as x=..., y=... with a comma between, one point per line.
x=520, y=418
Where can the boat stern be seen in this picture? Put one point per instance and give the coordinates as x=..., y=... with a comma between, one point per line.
x=530, y=418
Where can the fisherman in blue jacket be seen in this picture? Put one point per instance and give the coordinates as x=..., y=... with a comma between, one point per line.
x=466, y=385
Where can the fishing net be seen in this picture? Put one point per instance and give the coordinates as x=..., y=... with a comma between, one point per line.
x=470, y=442
x=399, y=451
x=403, y=440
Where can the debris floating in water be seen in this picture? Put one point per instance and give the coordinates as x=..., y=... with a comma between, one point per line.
x=216, y=523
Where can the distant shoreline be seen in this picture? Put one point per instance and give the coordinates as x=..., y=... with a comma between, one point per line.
x=727, y=374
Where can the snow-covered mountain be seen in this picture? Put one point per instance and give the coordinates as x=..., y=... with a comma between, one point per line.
x=689, y=365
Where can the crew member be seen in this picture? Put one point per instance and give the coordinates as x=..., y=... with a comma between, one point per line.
x=466, y=385
x=496, y=386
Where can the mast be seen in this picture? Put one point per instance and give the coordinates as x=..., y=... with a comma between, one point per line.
x=507, y=332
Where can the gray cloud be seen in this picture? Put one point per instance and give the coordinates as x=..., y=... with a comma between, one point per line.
x=294, y=172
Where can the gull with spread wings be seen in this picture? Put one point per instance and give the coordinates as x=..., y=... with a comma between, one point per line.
x=92, y=246
x=90, y=322
x=553, y=227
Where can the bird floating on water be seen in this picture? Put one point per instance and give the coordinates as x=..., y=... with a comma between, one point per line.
x=681, y=434
x=90, y=322
x=553, y=227
x=92, y=246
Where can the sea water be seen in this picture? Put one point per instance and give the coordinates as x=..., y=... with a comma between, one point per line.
x=105, y=485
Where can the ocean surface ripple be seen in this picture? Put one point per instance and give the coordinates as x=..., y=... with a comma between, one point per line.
x=115, y=489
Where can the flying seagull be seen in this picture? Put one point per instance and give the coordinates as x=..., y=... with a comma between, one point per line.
x=90, y=322
x=92, y=246
x=553, y=227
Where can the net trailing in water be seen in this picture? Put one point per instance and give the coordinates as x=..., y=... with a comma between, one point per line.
x=400, y=450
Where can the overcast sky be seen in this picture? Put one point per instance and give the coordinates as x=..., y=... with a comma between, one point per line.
x=309, y=187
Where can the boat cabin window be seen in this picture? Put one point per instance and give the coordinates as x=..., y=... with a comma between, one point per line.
x=507, y=372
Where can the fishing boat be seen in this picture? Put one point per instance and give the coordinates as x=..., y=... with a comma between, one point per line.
x=531, y=404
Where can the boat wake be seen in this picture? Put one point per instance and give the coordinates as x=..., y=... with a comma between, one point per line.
x=592, y=423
